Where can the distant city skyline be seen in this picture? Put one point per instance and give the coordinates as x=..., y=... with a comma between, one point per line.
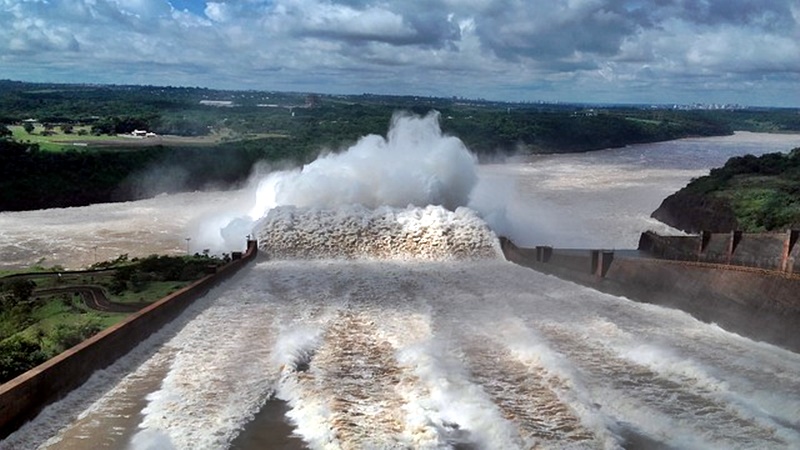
x=744, y=52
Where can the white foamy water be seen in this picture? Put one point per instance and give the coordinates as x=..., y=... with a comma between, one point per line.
x=481, y=353
x=422, y=353
x=415, y=164
x=386, y=233
x=78, y=237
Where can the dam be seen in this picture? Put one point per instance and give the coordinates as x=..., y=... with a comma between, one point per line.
x=456, y=349
x=456, y=353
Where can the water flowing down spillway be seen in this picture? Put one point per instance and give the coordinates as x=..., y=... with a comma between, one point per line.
x=386, y=233
x=396, y=324
x=458, y=349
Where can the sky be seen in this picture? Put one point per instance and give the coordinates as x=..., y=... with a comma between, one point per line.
x=591, y=51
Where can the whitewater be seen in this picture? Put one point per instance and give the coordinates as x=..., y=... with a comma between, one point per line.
x=471, y=353
x=374, y=324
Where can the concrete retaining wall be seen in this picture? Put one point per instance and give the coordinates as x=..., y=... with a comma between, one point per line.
x=22, y=398
x=761, y=304
x=773, y=251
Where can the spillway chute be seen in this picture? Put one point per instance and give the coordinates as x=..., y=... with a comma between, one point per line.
x=355, y=232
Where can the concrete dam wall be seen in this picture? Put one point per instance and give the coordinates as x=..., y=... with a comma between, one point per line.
x=761, y=303
x=771, y=251
x=22, y=398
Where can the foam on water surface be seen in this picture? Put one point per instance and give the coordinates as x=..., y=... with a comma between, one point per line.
x=432, y=233
x=459, y=354
x=402, y=328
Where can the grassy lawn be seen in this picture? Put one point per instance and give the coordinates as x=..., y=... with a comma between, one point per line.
x=145, y=292
x=60, y=314
x=52, y=310
x=58, y=140
x=649, y=121
x=148, y=292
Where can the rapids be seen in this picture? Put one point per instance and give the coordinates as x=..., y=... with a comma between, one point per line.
x=384, y=233
x=467, y=351
x=369, y=348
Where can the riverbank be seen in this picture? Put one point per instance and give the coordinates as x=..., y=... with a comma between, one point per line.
x=44, y=313
x=749, y=194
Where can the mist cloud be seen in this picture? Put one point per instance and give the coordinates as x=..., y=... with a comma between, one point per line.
x=414, y=165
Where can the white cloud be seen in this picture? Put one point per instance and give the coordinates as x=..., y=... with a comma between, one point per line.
x=35, y=35
x=143, y=9
x=510, y=49
x=218, y=12
x=340, y=20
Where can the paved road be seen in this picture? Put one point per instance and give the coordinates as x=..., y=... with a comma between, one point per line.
x=61, y=273
x=93, y=296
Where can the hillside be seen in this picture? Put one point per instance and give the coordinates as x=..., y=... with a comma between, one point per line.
x=751, y=194
x=70, y=145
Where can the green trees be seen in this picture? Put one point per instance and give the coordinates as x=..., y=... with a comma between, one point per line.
x=18, y=355
x=5, y=133
x=33, y=179
x=275, y=126
x=65, y=336
x=181, y=126
x=121, y=124
x=748, y=193
x=28, y=127
x=16, y=292
x=33, y=330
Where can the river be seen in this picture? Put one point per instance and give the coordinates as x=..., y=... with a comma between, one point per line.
x=427, y=353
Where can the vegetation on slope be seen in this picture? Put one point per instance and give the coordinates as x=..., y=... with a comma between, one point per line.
x=40, y=316
x=751, y=194
x=70, y=145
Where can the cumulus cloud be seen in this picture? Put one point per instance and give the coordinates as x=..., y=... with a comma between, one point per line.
x=551, y=31
x=593, y=50
x=35, y=35
x=218, y=12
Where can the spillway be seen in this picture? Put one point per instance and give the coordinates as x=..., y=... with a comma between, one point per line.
x=479, y=354
x=399, y=351
x=456, y=348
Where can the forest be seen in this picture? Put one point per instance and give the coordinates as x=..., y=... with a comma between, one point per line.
x=749, y=194
x=77, y=153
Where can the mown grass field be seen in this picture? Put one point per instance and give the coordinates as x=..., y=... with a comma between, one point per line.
x=58, y=140
x=55, y=140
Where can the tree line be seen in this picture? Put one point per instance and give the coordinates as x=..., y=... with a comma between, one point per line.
x=35, y=179
x=273, y=126
x=748, y=193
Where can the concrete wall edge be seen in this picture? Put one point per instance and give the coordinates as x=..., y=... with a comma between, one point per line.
x=23, y=397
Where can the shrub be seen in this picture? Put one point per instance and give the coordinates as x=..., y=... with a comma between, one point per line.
x=18, y=355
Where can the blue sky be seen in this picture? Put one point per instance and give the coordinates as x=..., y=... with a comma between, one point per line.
x=627, y=51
